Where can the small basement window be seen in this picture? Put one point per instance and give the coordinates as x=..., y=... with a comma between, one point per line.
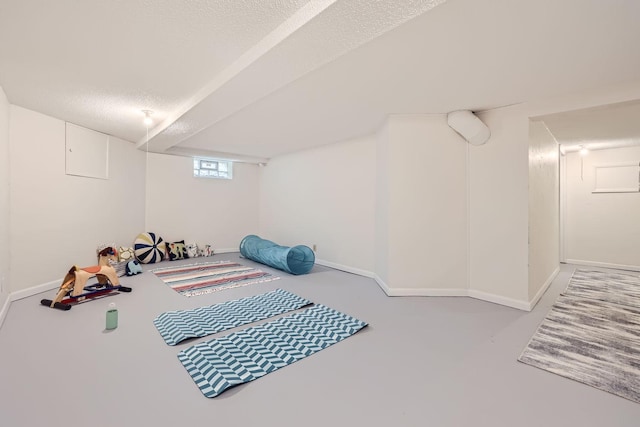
x=212, y=168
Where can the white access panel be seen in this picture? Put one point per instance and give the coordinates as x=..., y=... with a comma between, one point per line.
x=617, y=178
x=86, y=152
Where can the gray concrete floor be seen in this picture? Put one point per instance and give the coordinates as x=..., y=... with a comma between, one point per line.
x=434, y=361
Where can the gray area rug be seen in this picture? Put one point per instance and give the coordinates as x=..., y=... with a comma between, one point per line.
x=592, y=334
x=616, y=287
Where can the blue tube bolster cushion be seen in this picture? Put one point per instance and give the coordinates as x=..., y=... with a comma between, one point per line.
x=295, y=260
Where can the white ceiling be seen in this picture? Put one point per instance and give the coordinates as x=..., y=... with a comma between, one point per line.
x=608, y=126
x=255, y=79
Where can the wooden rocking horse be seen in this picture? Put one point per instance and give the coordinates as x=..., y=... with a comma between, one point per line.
x=74, y=283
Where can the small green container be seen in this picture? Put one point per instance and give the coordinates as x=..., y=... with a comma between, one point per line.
x=112, y=316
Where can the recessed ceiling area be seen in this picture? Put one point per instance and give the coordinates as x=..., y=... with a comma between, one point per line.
x=604, y=127
x=256, y=79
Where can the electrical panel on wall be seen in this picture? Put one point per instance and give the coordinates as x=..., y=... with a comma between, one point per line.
x=86, y=152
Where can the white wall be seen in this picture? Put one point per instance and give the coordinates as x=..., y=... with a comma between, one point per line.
x=498, y=197
x=427, y=207
x=498, y=184
x=5, y=253
x=48, y=209
x=57, y=220
x=601, y=228
x=218, y=212
x=393, y=204
x=544, y=207
x=324, y=196
x=382, y=250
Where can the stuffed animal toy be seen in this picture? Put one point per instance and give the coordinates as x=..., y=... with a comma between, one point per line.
x=133, y=267
x=206, y=251
x=192, y=250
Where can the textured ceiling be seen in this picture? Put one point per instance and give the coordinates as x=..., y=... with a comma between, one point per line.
x=97, y=63
x=257, y=78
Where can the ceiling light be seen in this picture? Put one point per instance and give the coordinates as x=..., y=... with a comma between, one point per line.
x=583, y=151
x=148, y=121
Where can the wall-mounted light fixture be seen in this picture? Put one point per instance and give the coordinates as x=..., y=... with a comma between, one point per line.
x=583, y=150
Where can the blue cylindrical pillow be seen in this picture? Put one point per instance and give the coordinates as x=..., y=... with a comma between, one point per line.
x=295, y=260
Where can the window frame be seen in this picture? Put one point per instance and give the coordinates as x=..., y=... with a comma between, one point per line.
x=211, y=168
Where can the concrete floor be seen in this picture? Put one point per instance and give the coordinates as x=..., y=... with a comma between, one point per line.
x=435, y=361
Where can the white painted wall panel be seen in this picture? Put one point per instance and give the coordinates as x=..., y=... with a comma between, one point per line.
x=498, y=184
x=57, y=220
x=5, y=245
x=544, y=206
x=324, y=196
x=600, y=228
x=382, y=248
x=218, y=212
x=427, y=204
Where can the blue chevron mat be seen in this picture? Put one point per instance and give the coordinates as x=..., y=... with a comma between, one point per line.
x=177, y=326
x=251, y=353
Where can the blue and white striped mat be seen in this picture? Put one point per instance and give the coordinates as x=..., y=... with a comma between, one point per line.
x=251, y=353
x=177, y=326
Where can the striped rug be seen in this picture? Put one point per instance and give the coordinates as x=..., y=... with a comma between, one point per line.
x=205, y=278
x=592, y=334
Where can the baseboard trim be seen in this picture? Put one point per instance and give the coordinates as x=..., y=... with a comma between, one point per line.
x=389, y=291
x=24, y=293
x=543, y=289
x=603, y=264
x=415, y=292
x=346, y=268
x=5, y=309
x=225, y=251
x=34, y=290
x=385, y=288
x=439, y=292
x=426, y=292
x=498, y=299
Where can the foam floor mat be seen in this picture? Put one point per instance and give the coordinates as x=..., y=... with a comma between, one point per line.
x=177, y=326
x=240, y=357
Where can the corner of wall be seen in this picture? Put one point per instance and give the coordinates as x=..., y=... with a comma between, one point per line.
x=498, y=208
x=543, y=289
x=5, y=253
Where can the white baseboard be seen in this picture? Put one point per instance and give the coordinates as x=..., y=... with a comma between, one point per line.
x=5, y=309
x=24, y=293
x=499, y=299
x=392, y=292
x=426, y=292
x=418, y=292
x=395, y=292
x=451, y=292
x=385, y=288
x=603, y=264
x=34, y=290
x=346, y=268
x=439, y=292
x=543, y=289
x=225, y=251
